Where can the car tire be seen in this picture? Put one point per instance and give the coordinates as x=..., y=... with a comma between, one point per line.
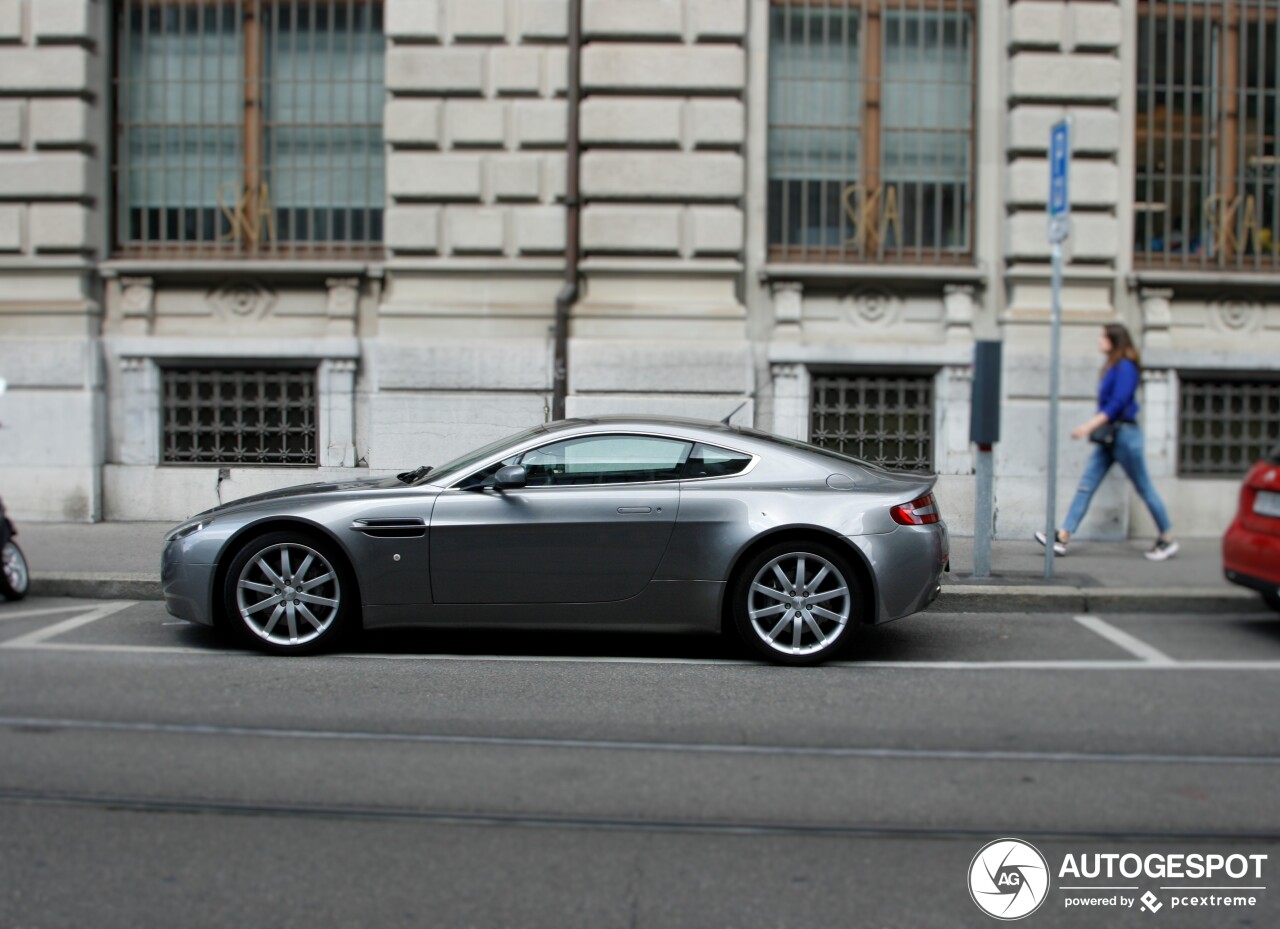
x=1272, y=600
x=15, y=579
x=289, y=593
x=783, y=615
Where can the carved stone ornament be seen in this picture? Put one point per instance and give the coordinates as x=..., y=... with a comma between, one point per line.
x=872, y=307
x=344, y=297
x=137, y=296
x=242, y=299
x=1236, y=316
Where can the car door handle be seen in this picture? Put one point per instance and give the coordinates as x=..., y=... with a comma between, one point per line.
x=634, y=509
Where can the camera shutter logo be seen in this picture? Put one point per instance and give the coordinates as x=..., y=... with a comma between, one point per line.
x=1009, y=879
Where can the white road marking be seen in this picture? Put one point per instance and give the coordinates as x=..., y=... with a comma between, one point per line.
x=46, y=611
x=1149, y=657
x=37, y=638
x=714, y=748
x=1131, y=644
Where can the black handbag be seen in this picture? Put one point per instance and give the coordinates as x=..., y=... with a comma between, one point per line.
x=1105, y=435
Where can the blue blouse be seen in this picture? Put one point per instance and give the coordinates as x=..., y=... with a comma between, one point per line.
x=1118, y=392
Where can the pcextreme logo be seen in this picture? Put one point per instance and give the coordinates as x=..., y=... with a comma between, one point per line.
x=1009, y=879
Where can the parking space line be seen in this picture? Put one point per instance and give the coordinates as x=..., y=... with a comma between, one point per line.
x=46, y=611
x=1131, y=644
x=1120, y=664
x=37, y=638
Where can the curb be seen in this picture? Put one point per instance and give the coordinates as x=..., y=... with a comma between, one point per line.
x=97, y=586
x=955, y=598
x=1044, y=599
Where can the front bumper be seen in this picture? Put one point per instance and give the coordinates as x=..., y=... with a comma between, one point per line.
x=188, y=588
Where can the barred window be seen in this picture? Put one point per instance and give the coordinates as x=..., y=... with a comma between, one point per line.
x=249, y=128
x=886, y=419
x=871, y=130
x=240, y=416
x=1207, y=157
x=1224, y=426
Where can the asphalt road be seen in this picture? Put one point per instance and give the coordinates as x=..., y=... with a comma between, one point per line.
x=151, y=775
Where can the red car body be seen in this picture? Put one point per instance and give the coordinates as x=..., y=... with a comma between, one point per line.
x=1251, y=546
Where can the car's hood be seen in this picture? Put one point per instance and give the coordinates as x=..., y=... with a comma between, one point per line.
x=309, y=490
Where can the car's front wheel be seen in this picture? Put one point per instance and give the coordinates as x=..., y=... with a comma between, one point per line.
x=1272, y=600
x=794, y=602
x=289, y=594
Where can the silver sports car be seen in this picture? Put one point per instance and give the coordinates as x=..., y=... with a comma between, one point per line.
x=608, y=523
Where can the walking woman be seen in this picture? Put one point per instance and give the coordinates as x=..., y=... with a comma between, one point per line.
x=1117, y=403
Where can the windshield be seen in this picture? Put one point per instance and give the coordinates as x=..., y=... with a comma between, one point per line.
x=447, y=472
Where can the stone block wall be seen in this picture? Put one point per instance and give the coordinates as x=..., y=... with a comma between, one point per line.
x=1063, y=59
x=475, y=123
x=52, y=183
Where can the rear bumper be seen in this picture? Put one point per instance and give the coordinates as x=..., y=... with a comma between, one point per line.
x=1253, y=583
x=1251, y=559
x=908, y=564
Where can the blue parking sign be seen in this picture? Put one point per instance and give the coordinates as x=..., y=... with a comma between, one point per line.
x=1059, y=168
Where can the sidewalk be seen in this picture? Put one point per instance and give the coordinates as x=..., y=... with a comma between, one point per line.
x=122, y=560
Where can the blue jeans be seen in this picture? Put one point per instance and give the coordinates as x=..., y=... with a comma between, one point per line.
x=1127, y=451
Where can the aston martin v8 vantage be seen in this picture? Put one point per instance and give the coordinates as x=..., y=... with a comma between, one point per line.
x=607, y=523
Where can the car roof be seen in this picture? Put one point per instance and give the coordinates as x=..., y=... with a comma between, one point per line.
x=674, y=423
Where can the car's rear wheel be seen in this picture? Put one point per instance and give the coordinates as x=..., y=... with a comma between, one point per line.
x=15, y=579
x=289, y=594
x=794, y=602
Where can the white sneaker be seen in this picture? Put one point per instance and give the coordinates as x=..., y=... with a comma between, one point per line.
x=1059, y=547
x=1161, y=551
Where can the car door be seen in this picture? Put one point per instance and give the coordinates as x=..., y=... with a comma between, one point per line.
x=590, y=526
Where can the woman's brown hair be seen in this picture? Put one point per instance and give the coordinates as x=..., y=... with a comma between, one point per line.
x=1121, y=347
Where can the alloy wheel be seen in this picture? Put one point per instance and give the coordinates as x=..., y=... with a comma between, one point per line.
x=15, y=568
x=288, y=594
x=799, y=603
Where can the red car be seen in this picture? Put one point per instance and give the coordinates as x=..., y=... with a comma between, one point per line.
x=1251, y=547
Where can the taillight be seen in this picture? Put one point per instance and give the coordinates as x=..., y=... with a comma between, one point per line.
x=922, y=511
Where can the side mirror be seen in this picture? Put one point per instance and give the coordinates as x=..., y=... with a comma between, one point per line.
x=510, y=477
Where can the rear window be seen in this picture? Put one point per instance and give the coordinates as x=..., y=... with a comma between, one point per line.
x=710, y=461
x=805, y=447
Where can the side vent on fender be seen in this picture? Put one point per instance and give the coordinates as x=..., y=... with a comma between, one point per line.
x=392, y=527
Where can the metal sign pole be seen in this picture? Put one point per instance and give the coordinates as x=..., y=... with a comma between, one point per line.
x=1055, y=353
x=1059, y=225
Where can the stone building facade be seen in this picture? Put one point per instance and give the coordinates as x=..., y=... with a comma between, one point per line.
x=338, y=229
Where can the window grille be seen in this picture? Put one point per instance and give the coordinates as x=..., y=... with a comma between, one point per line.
x=1224, y=426
x=240, y=416
x=871, y=116
x=249, y=128
x=1207, y=179
x=881, y=418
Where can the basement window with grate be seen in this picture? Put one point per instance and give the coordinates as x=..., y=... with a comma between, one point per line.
x=1226, y=424
x=264, y=416
x=886, y=419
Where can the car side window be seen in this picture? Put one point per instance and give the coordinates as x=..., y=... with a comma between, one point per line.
x=606, y=459
x=710, y=461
